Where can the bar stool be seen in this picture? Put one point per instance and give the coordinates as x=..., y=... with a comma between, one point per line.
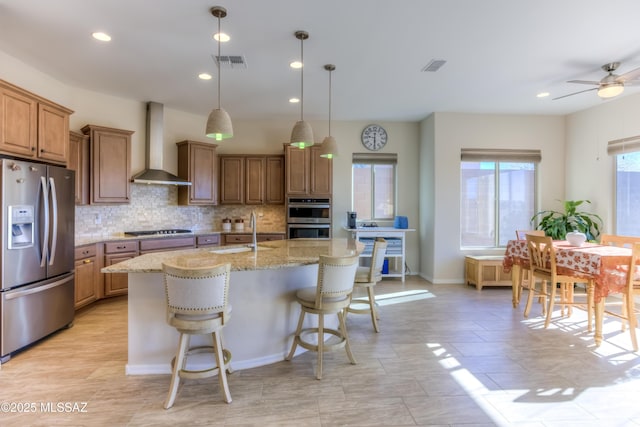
x=366, y=278
x=197, y=304
x=331, y=295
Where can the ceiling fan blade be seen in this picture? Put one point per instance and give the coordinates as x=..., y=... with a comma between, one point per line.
x=575, y=93
x=584, y=82
x=628, y=76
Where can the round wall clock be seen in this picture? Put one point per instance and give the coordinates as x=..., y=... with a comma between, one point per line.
x=374, y=137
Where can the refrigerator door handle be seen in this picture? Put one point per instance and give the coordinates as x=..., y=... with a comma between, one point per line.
x=19, y=294
x=45, y=235
x=54, y=236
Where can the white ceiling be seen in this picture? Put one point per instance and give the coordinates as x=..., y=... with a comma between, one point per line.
x=499, y=53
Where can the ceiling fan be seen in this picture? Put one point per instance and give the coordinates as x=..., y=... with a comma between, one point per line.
x=611, y=85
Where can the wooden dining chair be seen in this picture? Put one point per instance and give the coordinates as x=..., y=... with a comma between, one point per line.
x=627, y=312
x=543, y=267
x=523, y=278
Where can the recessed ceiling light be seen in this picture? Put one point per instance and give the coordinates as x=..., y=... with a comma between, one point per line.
x=221, y=37
x=205, y=76
x=294, y=100
x=542, y=94
x=295, y=64
x=103, y=37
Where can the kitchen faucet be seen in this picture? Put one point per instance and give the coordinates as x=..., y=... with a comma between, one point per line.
x=253, y=223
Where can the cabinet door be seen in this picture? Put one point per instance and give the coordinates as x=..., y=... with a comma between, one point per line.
x=255, y=180
x=79, y=162
x=321, y=173
x=197, y=163
x=110, y=164
x=86, y=290
x=274, y=188
x=116, y=283
x=53, y=134
x=297, y=170
x=231, y=180
x=18, y=123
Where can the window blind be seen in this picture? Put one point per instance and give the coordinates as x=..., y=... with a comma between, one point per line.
x=500, y=155
x=624, y=145
x=375, y=158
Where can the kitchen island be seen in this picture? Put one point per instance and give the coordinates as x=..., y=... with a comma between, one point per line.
x=262, y=288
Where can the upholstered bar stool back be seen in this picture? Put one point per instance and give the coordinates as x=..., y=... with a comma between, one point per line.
x=197, y=304
x=366, y=279
x=331, y=295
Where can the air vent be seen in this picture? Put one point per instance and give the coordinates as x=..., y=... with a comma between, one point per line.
x=434, y=65
x=231, y=61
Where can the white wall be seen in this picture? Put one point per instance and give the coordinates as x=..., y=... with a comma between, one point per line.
x=590, y=173
x=454, y=131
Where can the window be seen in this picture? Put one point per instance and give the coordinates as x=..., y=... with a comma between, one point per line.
x=497, y=195
x=627, y=182
x=374, y=186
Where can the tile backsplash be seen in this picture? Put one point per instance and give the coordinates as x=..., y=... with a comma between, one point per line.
x=155, y=207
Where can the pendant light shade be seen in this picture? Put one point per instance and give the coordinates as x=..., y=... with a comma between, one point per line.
x=329, y=146
x=219, y=124
x=302, y=134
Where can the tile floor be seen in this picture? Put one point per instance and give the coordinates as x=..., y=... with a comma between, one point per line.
x=447, y=355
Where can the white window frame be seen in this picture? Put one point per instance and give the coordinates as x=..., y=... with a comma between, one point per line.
x=615, y=148
x=376, y=159
x=498, y=156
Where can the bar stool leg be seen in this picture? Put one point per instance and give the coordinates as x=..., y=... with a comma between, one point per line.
x=372, y=305
x=296, y=336
x=343, y=331
x=178, y=364
x=222, y=369
x=320, y=344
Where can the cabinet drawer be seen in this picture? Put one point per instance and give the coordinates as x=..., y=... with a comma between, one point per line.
x=269, y=237
x=237, y=238
x=85, y=251
x=211, y=240
x=118, y=247
x=166, y=244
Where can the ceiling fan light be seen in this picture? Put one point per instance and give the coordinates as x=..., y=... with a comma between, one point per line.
x=219, y=125
x=302, y=134
x=610, y=90
x=329, y=148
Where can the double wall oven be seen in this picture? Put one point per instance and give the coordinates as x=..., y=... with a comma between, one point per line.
x=308, y=218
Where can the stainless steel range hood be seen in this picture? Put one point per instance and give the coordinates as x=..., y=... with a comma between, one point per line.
x=154, y=174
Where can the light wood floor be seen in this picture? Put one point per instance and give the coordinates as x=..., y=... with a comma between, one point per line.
x=446, y=355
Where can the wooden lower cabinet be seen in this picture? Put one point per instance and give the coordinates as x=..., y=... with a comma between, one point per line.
x=241, y=238
x=87, y=275
x=208, y=240
x=115, y=252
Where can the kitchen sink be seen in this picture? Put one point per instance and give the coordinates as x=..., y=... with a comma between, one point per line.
x=236, y=250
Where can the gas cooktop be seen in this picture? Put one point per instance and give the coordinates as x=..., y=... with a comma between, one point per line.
x=157, y=232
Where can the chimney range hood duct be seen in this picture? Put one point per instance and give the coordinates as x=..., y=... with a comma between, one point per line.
x=153, y=174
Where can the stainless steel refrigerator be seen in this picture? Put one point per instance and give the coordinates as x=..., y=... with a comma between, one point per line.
x=37, y=258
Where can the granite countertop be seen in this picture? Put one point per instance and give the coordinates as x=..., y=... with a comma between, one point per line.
x=88, y=239
x=270, y=255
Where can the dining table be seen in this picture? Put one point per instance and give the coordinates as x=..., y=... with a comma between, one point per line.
x=605, y=265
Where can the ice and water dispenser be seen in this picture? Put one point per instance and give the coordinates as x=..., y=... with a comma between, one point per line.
x=21, y=226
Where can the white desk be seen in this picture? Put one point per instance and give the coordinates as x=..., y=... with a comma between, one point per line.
x=395, y=238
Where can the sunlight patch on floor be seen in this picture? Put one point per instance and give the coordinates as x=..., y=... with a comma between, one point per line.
x=403, y=296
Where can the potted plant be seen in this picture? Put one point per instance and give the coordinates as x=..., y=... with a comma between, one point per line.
x=557, y=224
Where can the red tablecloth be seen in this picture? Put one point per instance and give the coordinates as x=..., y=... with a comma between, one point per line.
x=607, y=265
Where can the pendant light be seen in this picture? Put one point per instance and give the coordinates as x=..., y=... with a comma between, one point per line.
x=302, y=134
x=329, y=147
x=219, y=124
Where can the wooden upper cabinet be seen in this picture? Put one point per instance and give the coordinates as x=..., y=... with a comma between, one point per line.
x=198, y=163
x=297, y=170
x=231, y=179
x=308, y=174
x=321, y=173
x=252, y=179
x=32, y=127
x=53, y=134
x=274, y=188
x=254, y=193
x=110, y=164
x=79, y=162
